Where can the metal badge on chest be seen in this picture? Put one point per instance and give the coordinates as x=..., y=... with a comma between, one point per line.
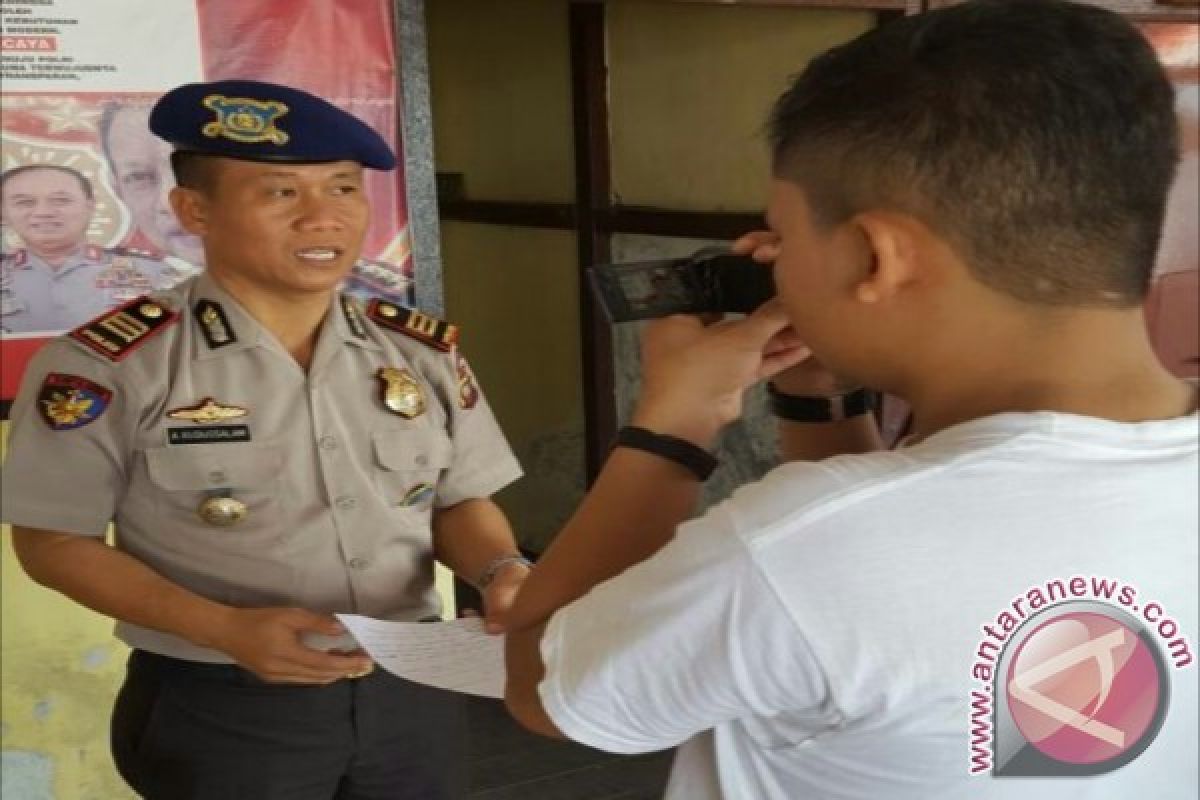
x=401, y=393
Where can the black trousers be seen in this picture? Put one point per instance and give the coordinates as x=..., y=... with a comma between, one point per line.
x=188, y=731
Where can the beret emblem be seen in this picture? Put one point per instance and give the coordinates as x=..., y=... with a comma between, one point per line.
x=243, y=119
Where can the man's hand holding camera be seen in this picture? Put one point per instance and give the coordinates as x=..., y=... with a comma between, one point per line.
x=694, y=375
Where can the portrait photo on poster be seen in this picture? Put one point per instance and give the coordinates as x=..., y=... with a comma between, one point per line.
x=85, y=220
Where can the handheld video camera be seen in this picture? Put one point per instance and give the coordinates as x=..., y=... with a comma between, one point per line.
x=710, y=280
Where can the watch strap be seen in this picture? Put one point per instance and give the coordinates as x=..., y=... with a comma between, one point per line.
x=800, y=408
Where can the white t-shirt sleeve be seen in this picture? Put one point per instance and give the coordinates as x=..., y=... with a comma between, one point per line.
x=686, y=640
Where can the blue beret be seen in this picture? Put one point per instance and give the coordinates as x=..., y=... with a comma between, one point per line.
x=257, y=121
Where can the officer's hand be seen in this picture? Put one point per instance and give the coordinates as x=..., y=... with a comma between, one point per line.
x=499, y=595
x=267, y=641
x=693, y=376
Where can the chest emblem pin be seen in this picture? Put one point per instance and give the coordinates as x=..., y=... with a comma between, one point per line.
x=206, y=412
x=221, y=510
x=401, y=392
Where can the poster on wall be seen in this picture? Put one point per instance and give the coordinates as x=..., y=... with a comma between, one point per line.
x=84, y=221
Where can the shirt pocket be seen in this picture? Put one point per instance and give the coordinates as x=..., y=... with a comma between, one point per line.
x=409, y=465
x=184, y=477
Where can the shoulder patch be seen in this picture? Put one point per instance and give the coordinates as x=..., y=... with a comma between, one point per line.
x=69, y=401
x=117, y=333
x=436, y=333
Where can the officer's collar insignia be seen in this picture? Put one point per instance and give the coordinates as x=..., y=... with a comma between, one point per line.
x=214, y=325
x=468, y=392
x=206, y=412
x=244, y=119
x=434, y=332
x=353, y=316
x=117, y=333
x=69, y=401
x=401, y=393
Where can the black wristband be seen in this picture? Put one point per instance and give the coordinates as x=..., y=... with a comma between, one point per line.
x=798, y=408
x=696, y=459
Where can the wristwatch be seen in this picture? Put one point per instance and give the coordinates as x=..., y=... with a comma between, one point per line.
x=801, y=408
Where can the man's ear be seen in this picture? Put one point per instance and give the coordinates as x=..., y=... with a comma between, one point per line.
x=892, y=254
x=191, y=208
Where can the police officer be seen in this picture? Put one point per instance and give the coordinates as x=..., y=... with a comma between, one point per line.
x=141, y=170
x=271, y=452
x=58, y=280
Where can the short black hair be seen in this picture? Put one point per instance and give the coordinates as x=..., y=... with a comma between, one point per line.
x=1038, y=137
x=194, y=170
x=84, y=183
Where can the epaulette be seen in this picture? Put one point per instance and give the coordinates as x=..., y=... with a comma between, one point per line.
x=17, y=258
x=118, y=332
x=434, y=332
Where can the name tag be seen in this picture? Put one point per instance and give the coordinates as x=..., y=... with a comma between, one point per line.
x=209, y=435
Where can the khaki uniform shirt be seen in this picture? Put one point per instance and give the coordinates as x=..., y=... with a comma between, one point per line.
x=338, y=489
x=36, y=297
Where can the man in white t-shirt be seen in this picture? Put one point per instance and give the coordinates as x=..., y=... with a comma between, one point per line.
x=965, y=207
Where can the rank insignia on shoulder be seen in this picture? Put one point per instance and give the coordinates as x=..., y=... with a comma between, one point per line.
x=214, y=325
x=434, y=332
x=468, y=392
x=69, y=401
x=117, y=333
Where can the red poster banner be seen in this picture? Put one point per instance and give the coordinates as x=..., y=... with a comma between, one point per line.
x=76, y=97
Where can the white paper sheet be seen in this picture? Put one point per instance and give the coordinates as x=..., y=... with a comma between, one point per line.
x=455, y=654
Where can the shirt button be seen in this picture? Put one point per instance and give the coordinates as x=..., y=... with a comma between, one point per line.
x=357, y=563
x=328, y=443
x=217, y=476
x=421, y=460
x=346, y=502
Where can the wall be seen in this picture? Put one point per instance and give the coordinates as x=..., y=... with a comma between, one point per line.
x=60, y=667
x=690, y=90
x=690, y=87
x=501, y=97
